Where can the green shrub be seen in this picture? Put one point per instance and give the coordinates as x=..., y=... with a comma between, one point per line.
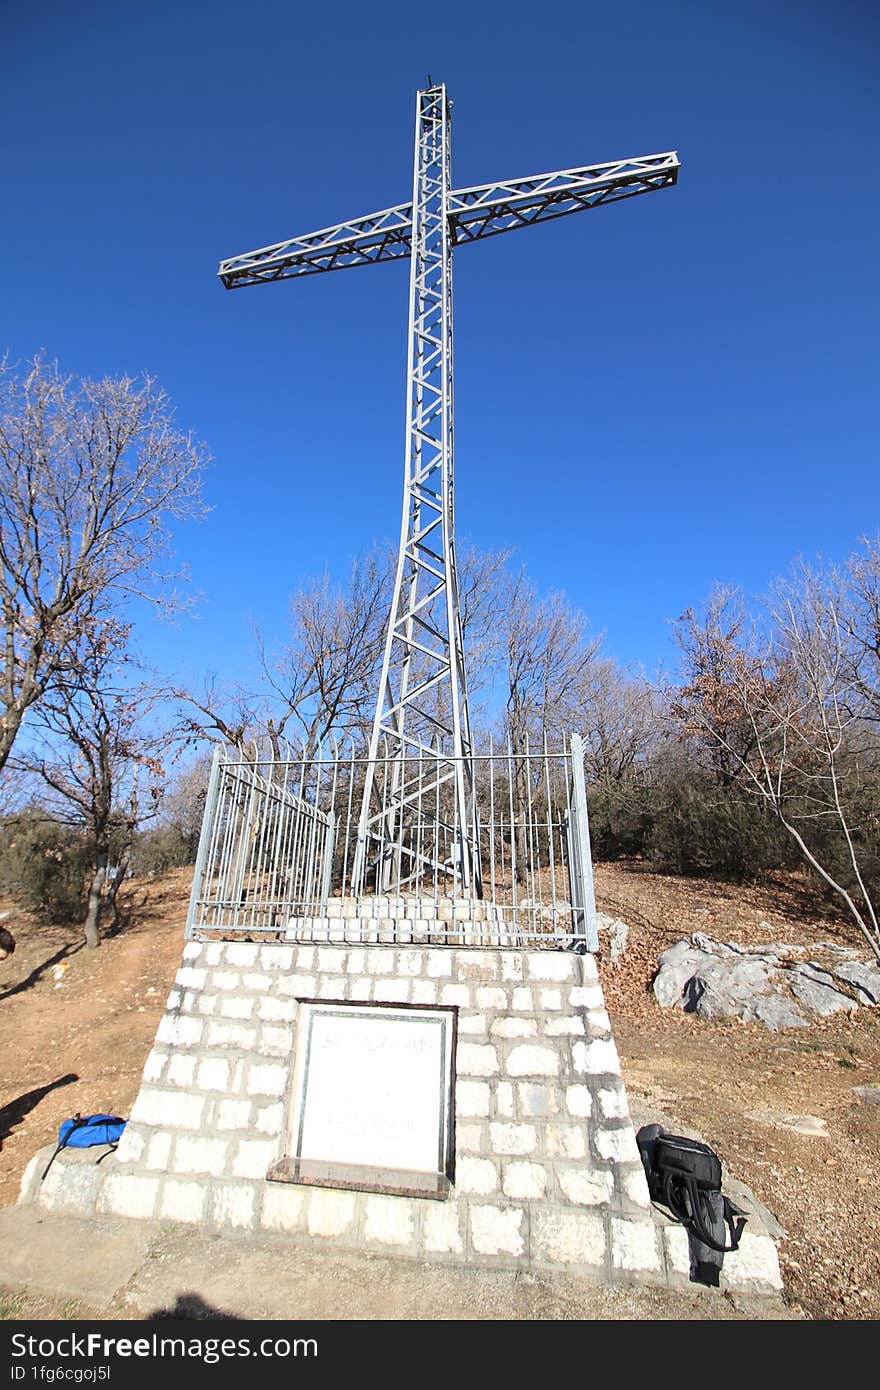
x=45, y=865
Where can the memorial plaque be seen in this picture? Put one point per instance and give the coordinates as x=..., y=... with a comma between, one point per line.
x=372, y=1091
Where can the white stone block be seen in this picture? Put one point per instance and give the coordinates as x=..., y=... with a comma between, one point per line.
x=159, y=1151
x=476, y=1059
x=241, y=1035
x=599, y=1023
x=207, y=1005
x=267, y=1080
x=283, y=1208
x=389, y=1220
x=512, y=1139
x=361, y=988
x=550, y=965
x=226, y=980
x=276, y=1041
x=512, y=966
x=595, y=1058
x=476, y=1176
x=391, y=991
x=585, y=1188
x=753, y=1267
x=568, y=1238
x=274, y=1010
x=270, y=1119
x=330, y=960
x=514, y=1028
x=154, y=1066
x=504, y=1099
x=589, y=968
x=565, y=1141
x=356, y=963
x=258, y=983
x=199, y=1155
x=380, y=961
x=550, y=999
x=471, y=1098
x=617, y=1145
x=522, y=1001
x=586, y=997
x=564, y=1025
x=443, y=1229
x=305, y=958
x=496, y=1230
x=410, y=962
x=253, y=1158
x=635, y=1186
x=458, y=995
x=183, y=1201
x=299, y=986
x=243, y=955
x=232, y=1205
x=489, y=997
x=678, y=1254
x=578, y=1101
x=178, y=1031
x=538, y=1101
x=531, y=1059
x=173, y=1001
x=331, y=1212
x=234, y=1114
x=331, y=987
x=527, y=1181
x=613, y=1104
x=215, y=953
x=439, y=964
x=213, y=1075
x=424, y=992
x=131, y=1145
x=473, y=1024
x=129, y=1194
x=468, y=1138
x=181, y=1070
x=634, y=1245
x=176, y=1109
x=192, y=951
x=276, y=957
x=475, y=965
x=190, y=978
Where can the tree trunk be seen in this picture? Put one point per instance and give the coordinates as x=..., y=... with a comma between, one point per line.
x=91, y=926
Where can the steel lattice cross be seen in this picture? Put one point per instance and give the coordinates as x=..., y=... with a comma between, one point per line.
x=421, y=751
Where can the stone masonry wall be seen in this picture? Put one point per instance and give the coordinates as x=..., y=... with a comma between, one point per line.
x=547, y=1172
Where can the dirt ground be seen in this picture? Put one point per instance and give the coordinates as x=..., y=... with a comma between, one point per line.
x=76, y=1026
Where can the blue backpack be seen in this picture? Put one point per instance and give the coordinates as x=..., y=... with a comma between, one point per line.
x=83, y=1131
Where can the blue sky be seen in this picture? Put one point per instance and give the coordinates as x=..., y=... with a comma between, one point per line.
x=650, y=397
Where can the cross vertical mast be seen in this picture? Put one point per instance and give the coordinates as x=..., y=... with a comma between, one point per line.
x=421, y=735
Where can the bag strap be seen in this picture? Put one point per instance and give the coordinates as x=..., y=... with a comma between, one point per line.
x=683, y=1198
x=78, y=1122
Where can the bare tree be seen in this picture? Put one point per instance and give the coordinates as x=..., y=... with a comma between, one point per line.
x=776, y=696
x=102, y=766
x=90, y=475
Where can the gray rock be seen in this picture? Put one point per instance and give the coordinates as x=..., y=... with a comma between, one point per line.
x=869, y=1095
x=818, y=997
x=865, y=979
x=775, y=1012
x=675, y=967
x=727, y=990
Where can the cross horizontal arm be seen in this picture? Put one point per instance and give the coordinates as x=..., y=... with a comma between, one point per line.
x=380, y=236
x=491, y=208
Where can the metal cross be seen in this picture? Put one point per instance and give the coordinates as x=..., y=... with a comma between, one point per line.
x=420, y=750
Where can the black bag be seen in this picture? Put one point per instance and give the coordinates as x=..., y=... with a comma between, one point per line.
x=685, y=1177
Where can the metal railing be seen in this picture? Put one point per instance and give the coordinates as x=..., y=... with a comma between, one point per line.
x=278, y=847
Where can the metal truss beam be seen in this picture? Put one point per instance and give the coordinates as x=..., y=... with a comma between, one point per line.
x=472, y=213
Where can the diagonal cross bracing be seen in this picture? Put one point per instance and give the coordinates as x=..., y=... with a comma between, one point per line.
x=422, y=702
